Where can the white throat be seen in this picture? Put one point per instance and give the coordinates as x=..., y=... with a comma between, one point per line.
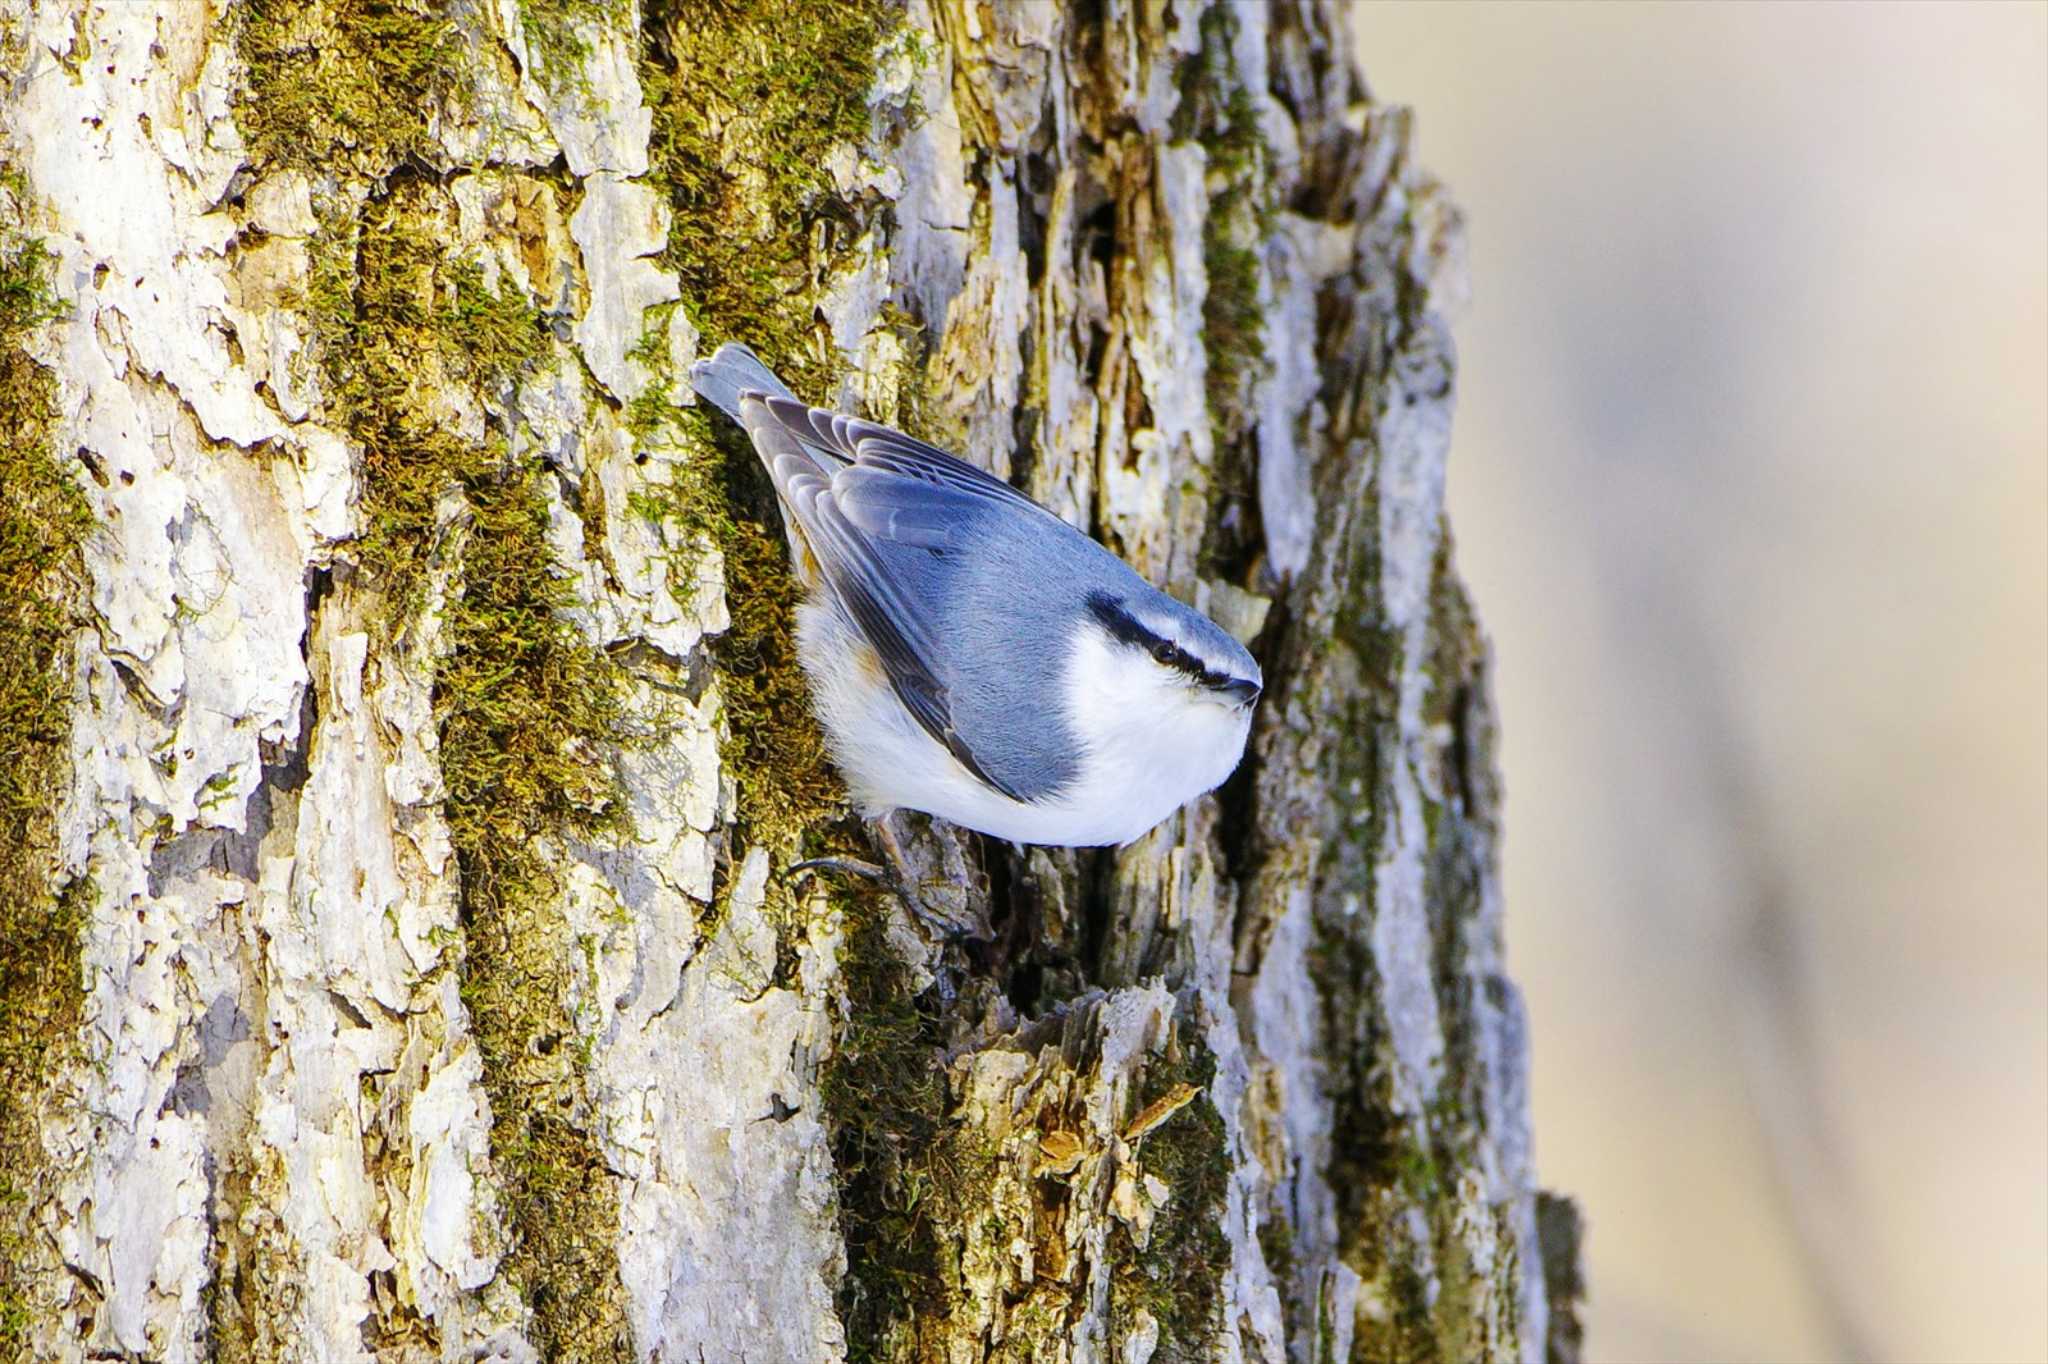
x=1150, y=741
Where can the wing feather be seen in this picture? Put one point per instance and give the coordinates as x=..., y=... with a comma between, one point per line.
x=859, y=492
x=873, y=596
x=851, y=440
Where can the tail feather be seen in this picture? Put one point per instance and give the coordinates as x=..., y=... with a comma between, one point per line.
x=734, y=370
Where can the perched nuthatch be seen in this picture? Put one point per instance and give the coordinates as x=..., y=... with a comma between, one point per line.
x=974, y=656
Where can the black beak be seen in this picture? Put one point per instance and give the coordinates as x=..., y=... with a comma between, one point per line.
x=1240, y=691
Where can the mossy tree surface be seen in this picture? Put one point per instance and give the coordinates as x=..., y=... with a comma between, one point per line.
x=446, y=990
x=741, y=162
x=43, y=519
x=528, y=709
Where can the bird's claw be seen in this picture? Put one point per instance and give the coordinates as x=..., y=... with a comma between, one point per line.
x=851, y=866
x=896, y=877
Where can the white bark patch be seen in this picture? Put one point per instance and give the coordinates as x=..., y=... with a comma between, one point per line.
x=726, y=1242
x=617, y=227
x=980, y=363
x=934, y=202
x=1291, y=421
x=596, y=115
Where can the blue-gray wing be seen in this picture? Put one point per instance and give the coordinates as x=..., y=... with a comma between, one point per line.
x=882, y=512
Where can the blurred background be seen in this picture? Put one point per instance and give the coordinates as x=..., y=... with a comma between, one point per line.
x=1750, y=479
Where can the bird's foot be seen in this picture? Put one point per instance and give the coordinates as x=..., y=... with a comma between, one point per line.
x=850, y=866
x=896, y=876
x=942, y=926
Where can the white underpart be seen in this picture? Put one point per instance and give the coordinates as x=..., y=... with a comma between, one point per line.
x=1148, y=742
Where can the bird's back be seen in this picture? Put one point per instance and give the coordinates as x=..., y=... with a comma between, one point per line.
x=1006, y=638
x=975, y=566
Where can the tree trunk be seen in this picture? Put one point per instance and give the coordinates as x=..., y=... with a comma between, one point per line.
x=406, y=759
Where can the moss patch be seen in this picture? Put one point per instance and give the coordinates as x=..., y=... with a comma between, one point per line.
x=742, y=152
x=43, y=520
x=741, y=160
x=1387, y=1163
x=556, y=36
x=1177, y=1277
x=755, y=222
x=906, y=1174
x=1216, y=109
x=1382, y=1164
x=773, y=747
x=355, y=83
x=527, y=709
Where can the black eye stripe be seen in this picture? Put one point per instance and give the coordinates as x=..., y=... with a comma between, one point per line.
x=1125, y=629
x=1110, y=614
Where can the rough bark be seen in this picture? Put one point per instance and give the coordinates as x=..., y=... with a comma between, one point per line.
x=403, y=957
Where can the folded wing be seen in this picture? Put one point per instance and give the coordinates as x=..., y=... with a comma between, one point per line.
x=866, y=499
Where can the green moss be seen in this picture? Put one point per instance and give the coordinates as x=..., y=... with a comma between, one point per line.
x=1380, y=1166
x=524, y=706
x=26, y=301
x=1178, y=1275
x=1216, y=109
x=527, y=708
x=1232, y=320
x=754, y=224
x=1276, y=1247
x=346, y=83
x=556, y=36
x=1389, y=1164
x=43, y=520
x=396, y=323
x=742, y=154
x=773, y=748
x=899, y=1163
x=741, y=160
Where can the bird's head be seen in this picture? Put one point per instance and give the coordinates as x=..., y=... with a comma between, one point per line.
x=1158, y=695
x=1189, y=654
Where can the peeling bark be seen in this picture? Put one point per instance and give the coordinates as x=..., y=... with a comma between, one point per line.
x=436, y=757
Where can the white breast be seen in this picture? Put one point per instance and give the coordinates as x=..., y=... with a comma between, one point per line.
x=1150, y=744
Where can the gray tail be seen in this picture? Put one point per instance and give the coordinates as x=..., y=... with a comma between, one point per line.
x=732, y=371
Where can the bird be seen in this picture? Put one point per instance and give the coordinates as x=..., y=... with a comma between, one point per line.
x=970, y=654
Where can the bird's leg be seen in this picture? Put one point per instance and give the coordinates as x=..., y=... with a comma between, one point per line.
x=894, y=872
x=896, y=875
x=899, y=861
x=903, y=881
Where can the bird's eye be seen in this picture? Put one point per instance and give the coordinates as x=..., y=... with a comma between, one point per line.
x=1164, y=652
